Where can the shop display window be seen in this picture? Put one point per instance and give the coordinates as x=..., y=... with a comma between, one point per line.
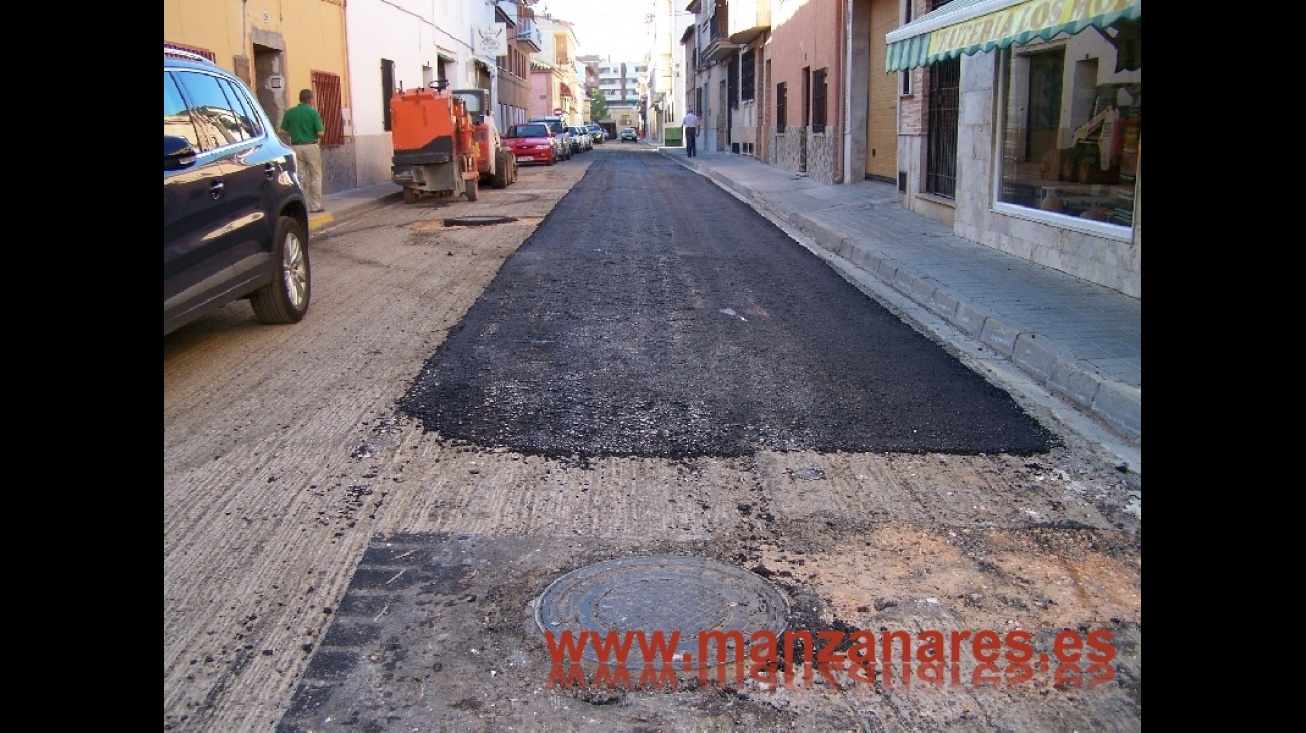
x=1072, y=121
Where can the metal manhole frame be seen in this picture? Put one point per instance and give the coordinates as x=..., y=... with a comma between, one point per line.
x=478, y=220
x=777, y=602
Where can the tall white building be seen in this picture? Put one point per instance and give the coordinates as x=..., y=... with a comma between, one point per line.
x=667, y=21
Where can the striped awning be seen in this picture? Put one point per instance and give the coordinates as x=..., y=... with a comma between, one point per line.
x=970, y=26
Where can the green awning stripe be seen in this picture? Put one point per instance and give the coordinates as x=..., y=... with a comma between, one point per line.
x=909, y=53
x=916, y=50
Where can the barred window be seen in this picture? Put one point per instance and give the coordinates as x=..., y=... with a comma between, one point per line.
x=781, y=106
x=387, y=91
x=747, y=72
x=732, y=85
x=818, y=100
x=192, y=49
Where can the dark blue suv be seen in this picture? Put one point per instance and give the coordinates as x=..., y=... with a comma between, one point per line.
x=235, y=224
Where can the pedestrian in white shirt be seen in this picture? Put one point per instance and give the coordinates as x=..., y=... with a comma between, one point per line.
x=691, y=133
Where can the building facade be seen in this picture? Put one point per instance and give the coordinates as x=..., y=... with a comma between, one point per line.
x=1025, y=133
x=1017, y=122
x=355, y=55
x=278, y=47
x=666, y=73
x=620, y=84
x=436, y=49
x=730, y=89
x=807, y=72
x=513, y=101
x=556, y=87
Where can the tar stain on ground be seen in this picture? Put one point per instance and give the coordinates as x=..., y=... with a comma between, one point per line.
x=651, y=314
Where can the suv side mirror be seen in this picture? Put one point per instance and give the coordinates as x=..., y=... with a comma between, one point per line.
x=178, y=153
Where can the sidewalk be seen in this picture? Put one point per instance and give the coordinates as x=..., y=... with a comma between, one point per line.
x=1078, y=340
x=1081, y=341
x=344, y=204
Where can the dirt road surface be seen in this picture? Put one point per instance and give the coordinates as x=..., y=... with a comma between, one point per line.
x=329, y=565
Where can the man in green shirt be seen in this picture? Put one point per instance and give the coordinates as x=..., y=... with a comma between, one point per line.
x=304, y=126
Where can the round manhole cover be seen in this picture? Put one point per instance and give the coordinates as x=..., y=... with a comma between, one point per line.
x=672, y=594
x=477, y=221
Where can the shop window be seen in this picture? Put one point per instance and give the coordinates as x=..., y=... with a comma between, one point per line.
x=1072, y=123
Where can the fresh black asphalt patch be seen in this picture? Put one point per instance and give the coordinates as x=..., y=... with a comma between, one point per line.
x=653, y=314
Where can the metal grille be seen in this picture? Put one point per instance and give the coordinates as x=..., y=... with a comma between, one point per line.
x=182, y=47
x=326, y=87
x=944, y=106
x=387, y=91
x=732, y=82
x=781, y=107
x=818, y=100
x=748, y=88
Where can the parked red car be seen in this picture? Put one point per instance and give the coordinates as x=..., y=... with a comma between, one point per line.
x=531, y=143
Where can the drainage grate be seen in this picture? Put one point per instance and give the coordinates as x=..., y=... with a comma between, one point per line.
x=661, y=593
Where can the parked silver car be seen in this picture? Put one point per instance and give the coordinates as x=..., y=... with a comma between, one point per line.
x=581, y=139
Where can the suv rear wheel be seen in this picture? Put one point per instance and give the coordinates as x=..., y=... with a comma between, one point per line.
x=285, y=300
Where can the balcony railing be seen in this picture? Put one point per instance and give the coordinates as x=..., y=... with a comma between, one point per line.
x=719, y=45
x=529, y=34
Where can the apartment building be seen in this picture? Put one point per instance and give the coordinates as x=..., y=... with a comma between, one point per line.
x=556, y=82
x=514, y=78
x=621, y=84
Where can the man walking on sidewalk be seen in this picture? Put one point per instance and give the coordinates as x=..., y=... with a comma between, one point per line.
x=691, y=133
x=304, y=126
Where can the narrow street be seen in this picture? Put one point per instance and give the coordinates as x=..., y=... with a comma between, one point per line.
x=362, y=511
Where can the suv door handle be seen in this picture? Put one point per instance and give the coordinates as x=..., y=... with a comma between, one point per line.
x=215, y=190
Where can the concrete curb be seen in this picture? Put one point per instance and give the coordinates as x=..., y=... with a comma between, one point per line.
x=354, y=208
x=1117, y=404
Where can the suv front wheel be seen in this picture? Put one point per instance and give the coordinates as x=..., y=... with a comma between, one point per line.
x=285, y=300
